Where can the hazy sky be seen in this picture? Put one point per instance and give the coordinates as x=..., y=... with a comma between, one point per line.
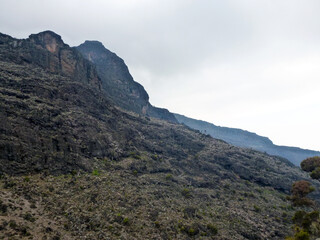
x=250, y=64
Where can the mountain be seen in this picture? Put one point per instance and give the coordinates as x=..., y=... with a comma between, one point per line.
x=242, y=138
x=118, y=83
x=73, y=165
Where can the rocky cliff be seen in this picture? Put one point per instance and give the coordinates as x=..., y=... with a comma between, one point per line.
x=118, y=83
x=48, y=51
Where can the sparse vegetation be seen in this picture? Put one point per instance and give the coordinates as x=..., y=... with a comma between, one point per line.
x=306, y=224
x=212, y=228
x=169, y=176
x=95, y=172
x=186, y=192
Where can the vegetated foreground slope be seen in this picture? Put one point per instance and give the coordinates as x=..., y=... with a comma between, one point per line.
x=73, y=166
x=247, y=139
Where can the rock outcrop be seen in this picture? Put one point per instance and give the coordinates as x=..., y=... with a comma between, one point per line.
x=48, y=51
x=118, y=83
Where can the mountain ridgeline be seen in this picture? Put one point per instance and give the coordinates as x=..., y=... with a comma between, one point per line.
x=75, y=165
x=242, y=138
x=118, y=83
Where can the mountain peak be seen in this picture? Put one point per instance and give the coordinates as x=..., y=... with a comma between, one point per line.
x=48, y=39
x=118, y=83
x=96, y=49
x=93, y=43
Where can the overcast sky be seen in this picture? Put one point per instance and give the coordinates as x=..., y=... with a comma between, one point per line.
x=249, y=64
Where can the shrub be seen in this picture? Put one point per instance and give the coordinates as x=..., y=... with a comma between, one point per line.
x=3, y=207
x=256, y=208
x=13, y=224
x=186, y=192
x=26, y=179
x=310, y=164
x=299, y=191
x=95, y=172
x=135, y=154
x=298, y=217
x=192, y=232
x=9, y=184
x=125, y=221
x=29, y=217
x=157, y=224
x=213, y=229
x=169, y=176
x=315, y=174
x=189, y=212
x=302, y=235
x=155, y=157
x=314, y=215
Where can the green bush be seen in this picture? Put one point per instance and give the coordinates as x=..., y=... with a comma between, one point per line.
x=135, y=154
x=298, y=217
x=95, y=172
x=314, y=215
x=157, y=224
x=315, y=174
x=310, y=164
x=26, y=179
x=256, y=208
x=186, y=192
x=302, y=235
x=213, y=229
x=125, y=221
x=169, y=176
x=192, y=232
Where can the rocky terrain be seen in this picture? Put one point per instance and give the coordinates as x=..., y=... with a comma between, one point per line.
x=118, y=83
x=75, y=166
x=242, y=138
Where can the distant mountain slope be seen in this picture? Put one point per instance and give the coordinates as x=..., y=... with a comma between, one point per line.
x=118, y=83
x=242, y=138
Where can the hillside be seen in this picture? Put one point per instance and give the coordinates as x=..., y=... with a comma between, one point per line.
x=242, y=138
x=75, y=166
x=118, y=83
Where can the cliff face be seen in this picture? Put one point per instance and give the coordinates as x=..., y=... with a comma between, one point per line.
x=48, y=51
x=118, y=83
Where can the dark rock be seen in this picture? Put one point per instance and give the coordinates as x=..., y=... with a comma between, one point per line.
x=118, y=83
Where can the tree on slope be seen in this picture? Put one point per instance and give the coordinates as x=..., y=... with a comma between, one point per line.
x=306, y=224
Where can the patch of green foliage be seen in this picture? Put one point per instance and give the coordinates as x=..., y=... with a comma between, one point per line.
x=186, y=192
x=95, y=172
x=212, y=228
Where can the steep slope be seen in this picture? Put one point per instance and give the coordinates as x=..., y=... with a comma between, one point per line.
x=242, y=138
x=73, y=166
x=118, y=84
